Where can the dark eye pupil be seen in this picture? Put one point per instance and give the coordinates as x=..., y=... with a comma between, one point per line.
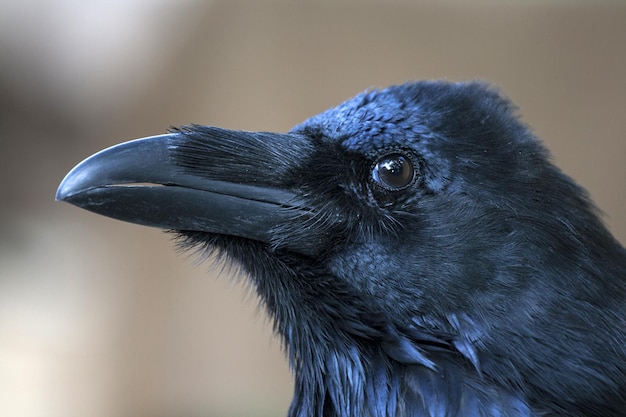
x=393, y=172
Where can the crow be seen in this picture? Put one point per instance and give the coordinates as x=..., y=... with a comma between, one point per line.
x=417, y=250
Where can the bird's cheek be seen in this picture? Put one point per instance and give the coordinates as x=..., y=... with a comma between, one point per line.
x=364, y=266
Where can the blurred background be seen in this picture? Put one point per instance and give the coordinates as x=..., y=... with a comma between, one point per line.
x=100, y=318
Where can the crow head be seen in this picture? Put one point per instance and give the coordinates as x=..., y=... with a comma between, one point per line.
x=417, y=251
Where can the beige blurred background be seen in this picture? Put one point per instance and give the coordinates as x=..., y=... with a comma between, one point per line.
x=100, y=318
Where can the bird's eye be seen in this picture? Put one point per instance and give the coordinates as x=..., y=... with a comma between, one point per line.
x=394, y=172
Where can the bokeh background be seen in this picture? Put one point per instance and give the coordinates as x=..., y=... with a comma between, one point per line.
x=99, y=318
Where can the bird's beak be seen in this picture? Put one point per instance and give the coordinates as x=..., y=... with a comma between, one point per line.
x=142, y=182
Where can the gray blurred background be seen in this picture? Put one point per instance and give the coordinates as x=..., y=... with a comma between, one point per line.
x=100, y=318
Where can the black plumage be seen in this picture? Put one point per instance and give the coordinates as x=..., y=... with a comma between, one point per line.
x=418, y=252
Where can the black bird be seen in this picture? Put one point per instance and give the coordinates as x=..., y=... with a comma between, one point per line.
x=418, y=252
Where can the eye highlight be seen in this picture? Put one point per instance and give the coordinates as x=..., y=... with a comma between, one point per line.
x=394, y=172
